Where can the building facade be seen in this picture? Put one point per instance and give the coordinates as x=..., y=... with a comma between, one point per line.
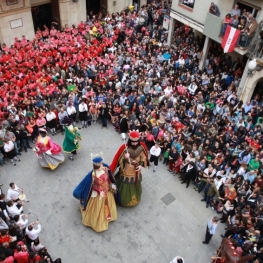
x=23, y=17
x=195, y=14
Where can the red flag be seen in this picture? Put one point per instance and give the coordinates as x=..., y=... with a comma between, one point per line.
x=230, y=39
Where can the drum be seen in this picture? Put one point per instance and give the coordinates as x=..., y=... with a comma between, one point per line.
x=22, y=196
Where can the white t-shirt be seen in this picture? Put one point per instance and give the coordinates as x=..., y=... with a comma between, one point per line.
x=9, y=146
x=13, y=193
x=155, y=151
x=50, y=116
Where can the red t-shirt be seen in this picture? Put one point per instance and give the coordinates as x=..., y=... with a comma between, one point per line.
x=21, y=257
x=8, y=260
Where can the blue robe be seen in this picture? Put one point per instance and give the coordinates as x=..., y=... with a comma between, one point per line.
x=83, y=191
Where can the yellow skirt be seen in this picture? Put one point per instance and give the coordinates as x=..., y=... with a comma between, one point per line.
x=94, y=214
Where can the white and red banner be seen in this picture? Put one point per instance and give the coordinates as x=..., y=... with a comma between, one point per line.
x=230, y=39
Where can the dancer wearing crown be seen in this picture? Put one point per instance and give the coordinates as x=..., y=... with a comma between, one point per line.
x=96, y=194
x=130, y=159
x=49, y=153
x=72, y=137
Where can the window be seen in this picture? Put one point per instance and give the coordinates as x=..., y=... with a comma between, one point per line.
x=246, y=7
x=188, y=3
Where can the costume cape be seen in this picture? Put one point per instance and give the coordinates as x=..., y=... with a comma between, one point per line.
x=84, y=188
x=115, y=163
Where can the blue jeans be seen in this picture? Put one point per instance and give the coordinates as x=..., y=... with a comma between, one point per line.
x=25, y=143
x=223, y=29
x=208, y=198
x=16, y=146
x=200, y=186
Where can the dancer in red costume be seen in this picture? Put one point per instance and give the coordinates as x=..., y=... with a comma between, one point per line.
x=49, y=153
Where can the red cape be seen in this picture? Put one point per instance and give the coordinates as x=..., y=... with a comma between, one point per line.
x=115, y=161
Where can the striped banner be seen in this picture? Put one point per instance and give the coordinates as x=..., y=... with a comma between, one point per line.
x=230, y=39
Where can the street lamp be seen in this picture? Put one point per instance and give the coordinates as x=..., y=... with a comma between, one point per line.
x=253, y=66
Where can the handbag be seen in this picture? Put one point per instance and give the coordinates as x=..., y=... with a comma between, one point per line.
x=29, y=128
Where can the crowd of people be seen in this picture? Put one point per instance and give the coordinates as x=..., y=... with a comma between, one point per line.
x=19, y=239
x=241, y=20
x=118, y=68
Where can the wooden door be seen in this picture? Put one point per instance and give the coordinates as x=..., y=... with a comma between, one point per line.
x=104, y=6
x=55, y=11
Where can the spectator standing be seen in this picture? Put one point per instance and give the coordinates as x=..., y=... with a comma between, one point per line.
x=214, y=9
x=155, y=152
x=235, y=11
x=210, y=229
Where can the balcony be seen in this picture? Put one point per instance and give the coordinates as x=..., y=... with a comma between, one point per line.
x=213, y=29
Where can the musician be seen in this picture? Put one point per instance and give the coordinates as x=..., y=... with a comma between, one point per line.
x=13, y=192
x=14, y=209
x=129, y=177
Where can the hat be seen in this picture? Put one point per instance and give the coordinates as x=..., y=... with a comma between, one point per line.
x=97, y=160
x=42, y=130
x=67, y=121
x=134, y=136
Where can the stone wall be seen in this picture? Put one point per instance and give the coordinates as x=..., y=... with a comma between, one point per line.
x=72, y=12
x=15, y=20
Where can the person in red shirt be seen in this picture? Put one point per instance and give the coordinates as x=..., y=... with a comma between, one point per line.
x=33, y=257
x=21, y=254
x=5, y=259
x=5, y=238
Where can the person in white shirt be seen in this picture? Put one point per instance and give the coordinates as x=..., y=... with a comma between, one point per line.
x=155, y=152
x=9, y=148
x=83, y=109
x=36, y=245
x=123, y=98
x=32, y=233
x=14, y=209
x=51, y=121
x=168, y=90
x=181, y=61
x=13, y=192
x=21, y=221
x=200, y=108
x=218, y=181
x=71, y=110
x=192, y=88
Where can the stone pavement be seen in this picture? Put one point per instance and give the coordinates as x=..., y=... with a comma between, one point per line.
x=150, y=232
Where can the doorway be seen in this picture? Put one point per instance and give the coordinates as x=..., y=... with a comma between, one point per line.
x=258, y=91
x=93, y=5
x=42, y=15
x=136, y=4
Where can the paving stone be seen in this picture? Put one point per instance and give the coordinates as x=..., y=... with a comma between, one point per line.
x=168, y=199
x=150, y=232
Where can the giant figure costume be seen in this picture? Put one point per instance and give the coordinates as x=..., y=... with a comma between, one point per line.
x=129, y=177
